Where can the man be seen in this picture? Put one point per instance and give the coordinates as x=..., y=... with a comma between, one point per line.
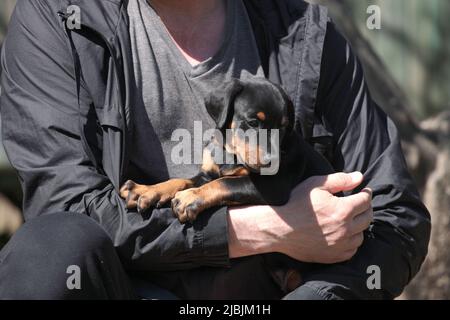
x=84, y=109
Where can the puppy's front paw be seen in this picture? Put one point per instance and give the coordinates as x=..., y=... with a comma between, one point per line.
x=187, y=204
x=153, y=197
x=143, y=197
x=130, y=191
x=125, y=189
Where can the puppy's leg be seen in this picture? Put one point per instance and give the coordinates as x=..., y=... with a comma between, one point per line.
x=187, y=204
x=144, y=197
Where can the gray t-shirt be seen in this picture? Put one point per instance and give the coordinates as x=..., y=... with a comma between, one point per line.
x=173, y=91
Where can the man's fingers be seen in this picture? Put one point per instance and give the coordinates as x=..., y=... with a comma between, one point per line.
x=362, y=221
x=338, y=182
x=357, y=203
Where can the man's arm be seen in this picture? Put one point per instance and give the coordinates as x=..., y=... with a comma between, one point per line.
x=366, y=140
x=314, y=226
x=42, y=138
x=317, y=227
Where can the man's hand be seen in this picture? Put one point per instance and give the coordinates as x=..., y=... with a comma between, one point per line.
x=315, y=226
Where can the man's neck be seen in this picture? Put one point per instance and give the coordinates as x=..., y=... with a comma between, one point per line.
x=196, y=26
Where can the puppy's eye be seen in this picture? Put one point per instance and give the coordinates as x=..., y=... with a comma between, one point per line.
x=253, y=123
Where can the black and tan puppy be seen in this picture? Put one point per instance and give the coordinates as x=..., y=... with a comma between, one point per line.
x=237, y=108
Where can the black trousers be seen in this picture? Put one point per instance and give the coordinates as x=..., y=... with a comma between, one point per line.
x=69, y=256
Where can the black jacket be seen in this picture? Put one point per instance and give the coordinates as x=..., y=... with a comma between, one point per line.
x=67, y=123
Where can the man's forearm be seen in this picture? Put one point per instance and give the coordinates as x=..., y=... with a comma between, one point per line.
x=314, y=226
x=253, y=230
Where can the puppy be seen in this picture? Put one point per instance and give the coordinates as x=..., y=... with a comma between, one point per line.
x=238, y=107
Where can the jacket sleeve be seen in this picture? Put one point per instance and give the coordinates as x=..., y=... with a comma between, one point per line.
x=41, y=134
x=366, y=140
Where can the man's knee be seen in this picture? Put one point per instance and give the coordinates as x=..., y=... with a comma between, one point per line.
x=40, y=257
x=61, y=235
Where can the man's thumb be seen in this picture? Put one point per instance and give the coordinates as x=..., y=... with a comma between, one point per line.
x=338, y=182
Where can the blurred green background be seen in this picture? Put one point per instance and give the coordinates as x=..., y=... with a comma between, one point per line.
x=407, y=67
x=414, y=44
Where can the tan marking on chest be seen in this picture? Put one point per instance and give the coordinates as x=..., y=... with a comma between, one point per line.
x=209, y=165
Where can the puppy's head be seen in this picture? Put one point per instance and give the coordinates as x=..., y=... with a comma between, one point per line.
x=246, y=112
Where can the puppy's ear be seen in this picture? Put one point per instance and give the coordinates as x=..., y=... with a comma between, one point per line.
x=290, y=114
x=220, y=103
x=290, y=109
